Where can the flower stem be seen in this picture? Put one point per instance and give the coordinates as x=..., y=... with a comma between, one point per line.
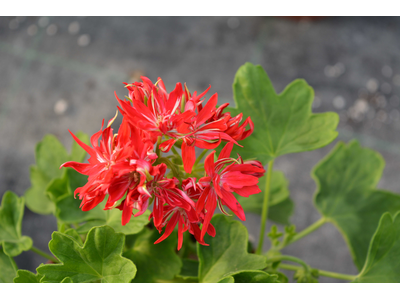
x=44, y=254
x=321, y=272
x=305, y=232
x=264, y=214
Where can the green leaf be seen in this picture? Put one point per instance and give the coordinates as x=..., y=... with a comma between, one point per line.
x=113, y=217
x=190, y=269
x=283, y=123
x=11, y=213
x=72, y=233
x=347, y=196
x=281, y=212
x=24, y=276
x=67, y=280
x=280, y=205
x=8, y=268
x=36, y=197
x=50, y=155
x=255, y=277
x=155, y=262
x=67, y=207
x=98, y=260
x=227, y=251
x=382, y=263
x=46, y=177
x=228, y=279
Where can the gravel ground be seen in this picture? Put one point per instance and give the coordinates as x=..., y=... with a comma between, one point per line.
x=60, y=73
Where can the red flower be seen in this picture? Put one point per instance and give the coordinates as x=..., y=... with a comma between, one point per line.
x=118, y=164
x=224, y=179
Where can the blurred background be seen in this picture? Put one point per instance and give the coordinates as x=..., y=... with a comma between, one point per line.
x=60, y=73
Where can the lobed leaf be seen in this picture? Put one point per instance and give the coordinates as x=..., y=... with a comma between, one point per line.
x=283, y=123
x=227, y=251
x=8, y=268
x=50, y=154
x=99, y=260
x=11, y=213
x=155, y=262
x=382, y=263
x=280, y=205
x=347, y=196
x=251, y=277
x=25, y=276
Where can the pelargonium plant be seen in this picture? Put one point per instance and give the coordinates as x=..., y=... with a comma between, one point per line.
x=143, y=208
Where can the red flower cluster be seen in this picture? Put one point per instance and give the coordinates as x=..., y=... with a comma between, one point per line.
x=125, y=167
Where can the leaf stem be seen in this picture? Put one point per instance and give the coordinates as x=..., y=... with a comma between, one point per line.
x=321, y=272
x=264, y=214
x=44, y=254
x=305, y=232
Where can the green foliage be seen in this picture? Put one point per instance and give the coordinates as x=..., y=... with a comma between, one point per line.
x=67, y=207
x=227, y=251
x=50, y=154
x=99, y=260
x=382, y=264
x=11, y=213
x=8, y=268
x=24, y=276
x=112, y=218
x=155, y=262
x=280, y=207
x=190, y=269
x=283, y=123
x=347, y=196
x=251, y=277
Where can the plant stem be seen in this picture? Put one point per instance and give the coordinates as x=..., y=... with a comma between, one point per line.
x=321, y=272
x=264, y=214
x=305, y=232
x=44, y=254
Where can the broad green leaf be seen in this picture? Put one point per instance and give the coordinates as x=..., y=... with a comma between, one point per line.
x=228, y=279
x=99, y=260
x=155, y=262
x=72, y=233
x=283, y=123
x=50, y=155
x=190, y=269
x=382, y=263
x=280, y=205
x=36, y=197
x=11, y=213
x=227, y=251
x=67, y=207
x=113, y=217
x=255, y=276
x=8, y=268
x=347, y=196
x=281, y=212
x=24, y=276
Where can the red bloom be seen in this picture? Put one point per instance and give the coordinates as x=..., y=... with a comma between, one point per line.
x=118, y=164
x=224, y=179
